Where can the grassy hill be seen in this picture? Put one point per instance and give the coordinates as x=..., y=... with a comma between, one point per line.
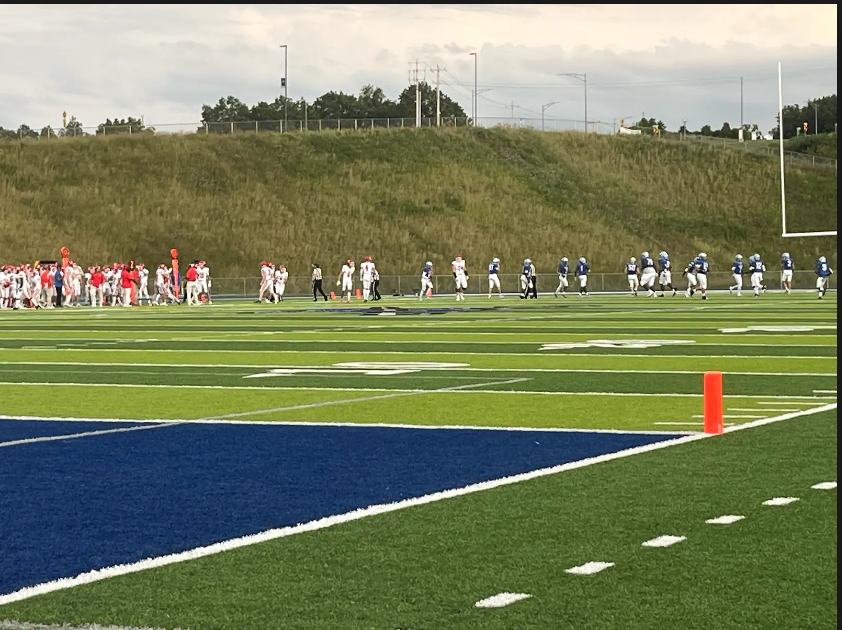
x=822, y=145
x=401, y=196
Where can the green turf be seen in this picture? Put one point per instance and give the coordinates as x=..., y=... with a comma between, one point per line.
x=425, y=568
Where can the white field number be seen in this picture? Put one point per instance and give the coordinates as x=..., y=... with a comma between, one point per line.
x=633, y=344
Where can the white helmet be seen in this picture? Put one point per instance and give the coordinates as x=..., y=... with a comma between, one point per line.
x=703, y=256
x=756, y=256
x=564, y=259
x=738, y=257
x=428, y=264
x=786, y=255
x=582, y=260
x=632, y=259
x=645, y=255
x=495, y=260
x=664, y=255
x=527, y=261
x=822, y=259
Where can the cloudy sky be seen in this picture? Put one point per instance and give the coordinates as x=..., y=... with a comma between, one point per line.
x=671, y=62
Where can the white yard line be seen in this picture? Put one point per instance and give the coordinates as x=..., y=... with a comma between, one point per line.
x=794, y=399
x=73, y=436
x=755, y=409
x=501, y=599
x=824, y=391
x=213, y=366
x=330, y=521
x=360, y=425
x=734, y=417
x=328, y=403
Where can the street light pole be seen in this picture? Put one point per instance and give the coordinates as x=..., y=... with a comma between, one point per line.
x=476, y=99
x=545, y=108
x=584, y=79
x=284, y=83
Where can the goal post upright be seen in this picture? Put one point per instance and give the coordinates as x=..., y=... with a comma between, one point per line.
x=784, y=233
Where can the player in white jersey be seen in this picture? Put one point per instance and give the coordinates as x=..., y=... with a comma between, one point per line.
x=160, y=286
x=266, y=275
x=346, y=280
x=366, y=276
x=281, y=277
x=460, y=277
x=77, y=284
x=35, y=288
x=203, y=281
x=5, y=287
x=143, y=285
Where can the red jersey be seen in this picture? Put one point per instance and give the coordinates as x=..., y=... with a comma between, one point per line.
x=191, y=274
x=126, y=279
x=97, y=278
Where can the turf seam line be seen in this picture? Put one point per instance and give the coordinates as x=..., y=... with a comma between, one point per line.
x=73, y=436
x=383, y=508
x=10, y=624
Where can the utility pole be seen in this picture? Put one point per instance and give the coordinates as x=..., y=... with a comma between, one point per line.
x=417, y=97
x=476, y=94
x=816, y=110
x=513, y=110
x=438, y=96
x=584, y=79
x=741, y=102
x=284, y=85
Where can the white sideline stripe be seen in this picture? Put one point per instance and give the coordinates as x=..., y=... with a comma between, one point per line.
x=8, y=624
x=728, y=519
x=422, y=391
x=480, y=354
x=664, y=541
x=781, y=501
x=501, y=599
x=732, y=417
x=749, y=409
x=824, y=391
x=589, y=568
x=824, y=485
x=328, y=403
x=360, y=425
x=73, y=436
x=426, y=369
x=383, y=508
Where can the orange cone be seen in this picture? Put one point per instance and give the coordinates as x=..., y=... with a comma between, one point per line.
x=429, y=293
x=332, y=295
x=359, y=294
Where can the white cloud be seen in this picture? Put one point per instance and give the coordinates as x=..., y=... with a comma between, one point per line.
x=165, y=61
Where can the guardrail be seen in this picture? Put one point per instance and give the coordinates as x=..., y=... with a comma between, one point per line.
x=510, y=283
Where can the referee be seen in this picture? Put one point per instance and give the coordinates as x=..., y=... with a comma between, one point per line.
x=317, y=282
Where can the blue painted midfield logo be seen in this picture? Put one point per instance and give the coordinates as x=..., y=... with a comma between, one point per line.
x=72, y=506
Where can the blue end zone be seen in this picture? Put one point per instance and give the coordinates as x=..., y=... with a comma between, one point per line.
x=70, y=507
x=14, y=430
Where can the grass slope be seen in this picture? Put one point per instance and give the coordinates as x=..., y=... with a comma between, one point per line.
x=402, y=196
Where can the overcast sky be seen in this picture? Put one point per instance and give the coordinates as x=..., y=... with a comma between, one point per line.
x=164, y=62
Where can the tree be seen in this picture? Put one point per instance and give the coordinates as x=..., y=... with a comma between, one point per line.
x=406, y=104
x=122, y=125
x=795, y=116
x=72, y=129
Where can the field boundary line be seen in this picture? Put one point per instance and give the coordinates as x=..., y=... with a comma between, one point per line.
x=384, y=508
x=426, y=369
x=10, y=624
x=466, y=389
x=362, y=425
x=73, y=436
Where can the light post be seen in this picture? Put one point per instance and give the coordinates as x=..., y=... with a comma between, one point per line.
x=475, y=104
x=584, y=79
x=545, y=108
x=284, y=85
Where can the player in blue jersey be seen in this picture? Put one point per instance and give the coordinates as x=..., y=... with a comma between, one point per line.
x=563, y=270
x=648, y=275
x=631, y=270
x=690, y=274
x=582, y=269
x=737, y=273
x=701, y=268
x=494, y=277
x=787, y=265
x=525, y=284
x=756, y=268
x=665, y=274
x=823, y=273
x=426, y=281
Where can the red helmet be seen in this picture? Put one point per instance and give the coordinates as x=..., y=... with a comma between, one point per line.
x=368, y=258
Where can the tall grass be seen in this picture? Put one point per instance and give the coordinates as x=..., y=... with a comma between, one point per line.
x=402, y=196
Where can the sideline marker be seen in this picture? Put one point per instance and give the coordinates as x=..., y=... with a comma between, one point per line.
x=332, y=295
x=714, y=415
x=429, y=293
x=359, y=294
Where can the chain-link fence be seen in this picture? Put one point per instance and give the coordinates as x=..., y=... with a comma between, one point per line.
x=510, y=283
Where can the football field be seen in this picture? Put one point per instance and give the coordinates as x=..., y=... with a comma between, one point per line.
x=483, y=465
